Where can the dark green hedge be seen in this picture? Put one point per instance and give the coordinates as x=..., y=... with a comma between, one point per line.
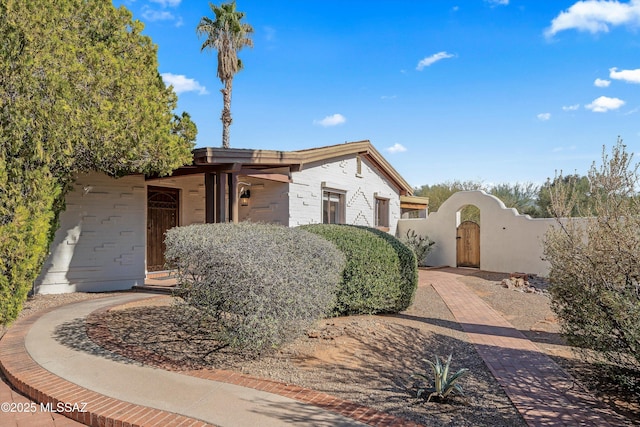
x=381, y=274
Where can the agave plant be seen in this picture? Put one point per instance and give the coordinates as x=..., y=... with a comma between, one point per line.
x=443, y=385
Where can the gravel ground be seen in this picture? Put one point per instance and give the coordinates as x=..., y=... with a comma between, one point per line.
x=532, y=315
x=365, y=359
x=44, y=302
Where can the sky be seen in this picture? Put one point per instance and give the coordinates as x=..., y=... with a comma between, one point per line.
x=492, y=91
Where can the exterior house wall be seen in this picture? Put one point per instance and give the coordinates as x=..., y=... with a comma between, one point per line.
x=100, y=245
x=509, y=241
x=269, y=202
x=192, y=196
x=305, y=192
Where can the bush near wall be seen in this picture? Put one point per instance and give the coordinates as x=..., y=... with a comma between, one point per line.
x=27, y=201
x=381, y=273
x=79, y=91
x=261, y=284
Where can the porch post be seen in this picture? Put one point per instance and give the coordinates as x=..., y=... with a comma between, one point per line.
x=221, y=192
x=233, y=197
x=209, y=197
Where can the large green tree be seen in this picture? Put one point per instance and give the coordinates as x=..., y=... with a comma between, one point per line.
x=577, y=187
x=79, y=91
x=226, y=34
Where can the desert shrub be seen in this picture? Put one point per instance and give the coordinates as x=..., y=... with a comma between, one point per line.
x=261, y=284
x=380, y=275
x=420, y=245
x=595, y=261
x=439, y=384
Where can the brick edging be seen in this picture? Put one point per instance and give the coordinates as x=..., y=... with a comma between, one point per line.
x=43, y=387
x=100, y=334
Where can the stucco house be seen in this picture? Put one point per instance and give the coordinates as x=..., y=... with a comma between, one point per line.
x=111, y=234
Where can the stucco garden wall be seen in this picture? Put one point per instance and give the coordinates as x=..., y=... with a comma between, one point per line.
x=100, y=245
x=509, y=241
x=305, y=193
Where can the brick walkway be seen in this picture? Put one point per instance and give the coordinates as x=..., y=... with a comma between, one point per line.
x=542, y=392
x=41, y=385
x=23, y=413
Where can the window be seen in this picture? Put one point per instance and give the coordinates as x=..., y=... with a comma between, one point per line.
x=382, y=213
x=333, y=211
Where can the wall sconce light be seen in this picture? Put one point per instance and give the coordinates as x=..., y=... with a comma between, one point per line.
x=244, y=197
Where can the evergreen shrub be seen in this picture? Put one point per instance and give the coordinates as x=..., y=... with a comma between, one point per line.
x=260, y=284
x=79, y=91
x=381, y=274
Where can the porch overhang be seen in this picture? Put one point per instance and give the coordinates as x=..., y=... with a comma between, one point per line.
x=222, y=168
x=414, y=202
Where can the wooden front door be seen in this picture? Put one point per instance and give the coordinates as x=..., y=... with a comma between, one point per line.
x=162, y=214
x=468, y=245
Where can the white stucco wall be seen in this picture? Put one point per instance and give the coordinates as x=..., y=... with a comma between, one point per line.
x=509, y=241
x=192, y=196
x=268, y=202
x=305, y=192
x=100, y=245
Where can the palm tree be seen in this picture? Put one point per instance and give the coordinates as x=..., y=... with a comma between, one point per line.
x=226, y=34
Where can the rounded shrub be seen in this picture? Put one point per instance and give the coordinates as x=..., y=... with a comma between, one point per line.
x=381, y=273
x=260, y=284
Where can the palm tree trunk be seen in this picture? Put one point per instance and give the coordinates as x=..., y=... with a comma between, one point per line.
x=226, y=112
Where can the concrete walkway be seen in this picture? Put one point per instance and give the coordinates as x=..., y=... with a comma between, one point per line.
x=543, y=393
x=50, y=359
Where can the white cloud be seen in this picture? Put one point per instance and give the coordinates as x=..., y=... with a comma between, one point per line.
x=595, y=16
x=601, y=83
x=182, y=84
x=629, y=76
x=396, y=148
x=165, y=3
x=544, y=116
x=497, y=2
x=333, y=120
x=604, y=104
x=573, y=107
x=153, y=15
x=430, y=60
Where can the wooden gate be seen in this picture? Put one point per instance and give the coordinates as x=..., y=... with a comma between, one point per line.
x=162, y=214
x=468, y=245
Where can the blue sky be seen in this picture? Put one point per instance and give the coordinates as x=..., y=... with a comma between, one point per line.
x=485, y=90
